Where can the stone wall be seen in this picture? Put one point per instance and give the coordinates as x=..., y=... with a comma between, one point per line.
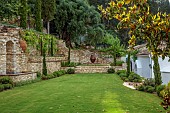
x=98, y=69
x=35, y=64
x=9, y=50
x=23, y=77
x=83, y=56
x=91, y=69
x=123, y=67
x=95, y=69
x=14, y=60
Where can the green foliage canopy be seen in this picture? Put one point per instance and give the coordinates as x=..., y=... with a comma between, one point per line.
x=115, y=49
x=74, y=18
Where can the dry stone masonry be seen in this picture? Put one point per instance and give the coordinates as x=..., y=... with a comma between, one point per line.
x=17, y=64
x=21, y=66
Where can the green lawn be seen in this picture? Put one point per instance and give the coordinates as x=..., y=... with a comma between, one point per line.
x=79, y=93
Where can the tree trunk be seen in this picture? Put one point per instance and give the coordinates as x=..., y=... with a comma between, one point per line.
x=114, y=59
x=48, y=27
x=69, y=55
x=41, y=43
x=44, y=70
x=128, y=64
x=52, y=51
x=29, y=21
x=156, y=70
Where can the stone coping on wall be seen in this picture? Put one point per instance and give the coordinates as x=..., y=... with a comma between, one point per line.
x=94, y=68
x=17, y=74
x=19, y=77
x=38, y=59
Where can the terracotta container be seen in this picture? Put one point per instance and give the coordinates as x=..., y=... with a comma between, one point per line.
x=92, y=58
x=23, y=45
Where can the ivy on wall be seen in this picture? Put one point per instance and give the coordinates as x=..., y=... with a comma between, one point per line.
x=34, y=38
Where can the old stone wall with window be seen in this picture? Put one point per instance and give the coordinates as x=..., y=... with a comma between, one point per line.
x=17, y=64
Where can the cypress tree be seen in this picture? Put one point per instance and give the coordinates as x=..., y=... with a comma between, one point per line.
x=157, y=73
x=128, y=64
x=48, y=9
x=44, y=70
x=38, y=21
x=23, y=14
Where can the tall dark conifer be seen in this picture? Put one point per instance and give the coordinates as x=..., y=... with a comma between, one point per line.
x=48, y=11
x=23, y=14
x=38, y=20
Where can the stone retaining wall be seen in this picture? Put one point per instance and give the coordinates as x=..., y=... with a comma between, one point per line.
x=91, y=69
x=95, y=69
x=81, y=55
x=22, y=76
x=35, y=64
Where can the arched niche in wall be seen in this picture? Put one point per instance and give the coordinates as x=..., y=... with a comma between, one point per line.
x=10, y=68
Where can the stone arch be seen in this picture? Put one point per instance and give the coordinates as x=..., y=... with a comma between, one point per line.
x=10, y=68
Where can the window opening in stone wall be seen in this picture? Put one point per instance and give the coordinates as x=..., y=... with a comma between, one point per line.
x=10, y=58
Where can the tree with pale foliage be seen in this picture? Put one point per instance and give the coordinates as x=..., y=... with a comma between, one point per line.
x=152, y=28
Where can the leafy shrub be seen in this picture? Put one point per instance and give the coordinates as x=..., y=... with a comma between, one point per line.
x=50, y=76
x=21, y=83
x=159, y=89
x=112, y=64
x=149, y=89
x=120, y=71
x=147, y=86
x=119, y=63
x=7, y=86
x=125, y=78
x=149, y=82
x=43, y=77
x=141, y=88
x=59, y=73
x=166, y=97
x=63, y=72
x=69, y=64
x=6, y=80
x=38, y=74
x=111, y=70
x=133, y=77
x=1, y=87
x=55, y=73
x=70, y=71
x=123, y=75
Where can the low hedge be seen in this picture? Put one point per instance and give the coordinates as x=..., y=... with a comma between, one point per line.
x=133, y=77
x=1, y=87
x=54, y=75
x=70, y=71
x=6, y=83
x=6, y=80
x=111, y=70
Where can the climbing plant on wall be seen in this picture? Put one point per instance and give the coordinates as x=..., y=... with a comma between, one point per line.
x=34, y=38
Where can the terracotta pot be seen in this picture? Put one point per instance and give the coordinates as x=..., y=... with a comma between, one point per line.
x=92, y=58
x=23, y=44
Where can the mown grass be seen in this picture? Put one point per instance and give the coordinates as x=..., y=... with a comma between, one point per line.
x=79, y=93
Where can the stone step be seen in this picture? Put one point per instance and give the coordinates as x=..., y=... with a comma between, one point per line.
x=91, y=69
